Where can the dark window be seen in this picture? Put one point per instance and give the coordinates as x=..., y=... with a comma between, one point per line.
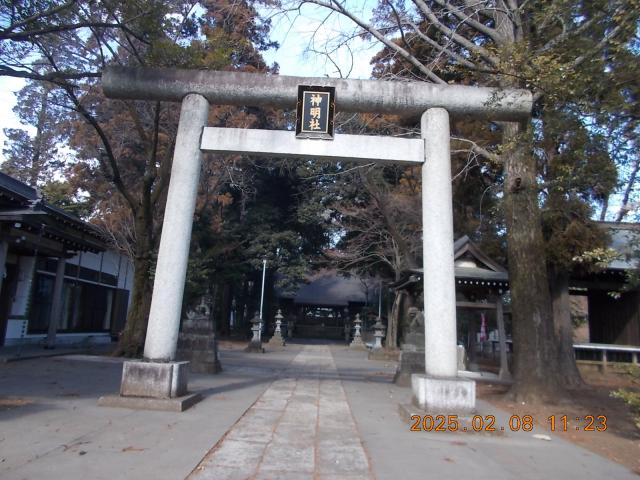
x=89, y=274
x=70, y=270
x=47, y=264
x=109, y=279
x=85, y=307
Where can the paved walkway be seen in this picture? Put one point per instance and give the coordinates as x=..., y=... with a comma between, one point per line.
x=52, y=427
x=300, y=428
x=308, y=411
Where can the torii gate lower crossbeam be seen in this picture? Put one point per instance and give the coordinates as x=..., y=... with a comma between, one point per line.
x=439, y=389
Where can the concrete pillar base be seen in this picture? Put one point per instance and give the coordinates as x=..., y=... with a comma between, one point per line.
x=443, y=395
x=179, y=404
x=153, y=386
x=154, y=380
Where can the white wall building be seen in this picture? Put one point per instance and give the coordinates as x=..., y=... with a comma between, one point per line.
x=59, y=282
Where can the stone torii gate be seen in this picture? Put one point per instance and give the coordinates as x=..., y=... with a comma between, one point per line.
x=158, y=377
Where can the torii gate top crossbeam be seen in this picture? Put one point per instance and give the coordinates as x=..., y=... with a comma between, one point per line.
x=251, y=89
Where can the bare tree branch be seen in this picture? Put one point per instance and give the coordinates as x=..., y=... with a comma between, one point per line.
x=478, y=150
x=40, y=16
x=28, y=35
x=564, y=35
x=450, y=53
x=468, y=20
x=459, y=39
x=336, y=7
x=53, y=77
x=597, y=48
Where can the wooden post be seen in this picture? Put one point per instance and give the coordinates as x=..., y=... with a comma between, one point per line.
x=56, y=306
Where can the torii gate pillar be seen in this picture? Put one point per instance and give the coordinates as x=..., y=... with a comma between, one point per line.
x=159, y=382
x=173, y=254
x=440, y=389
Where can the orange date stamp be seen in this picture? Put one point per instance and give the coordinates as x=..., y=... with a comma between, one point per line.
x=516, y=423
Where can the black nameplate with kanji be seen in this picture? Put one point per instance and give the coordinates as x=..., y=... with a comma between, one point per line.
x=315, y=111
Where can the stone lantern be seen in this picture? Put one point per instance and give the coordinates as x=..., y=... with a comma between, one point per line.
x=378, y=333
x=255, y=345
x=357, y=337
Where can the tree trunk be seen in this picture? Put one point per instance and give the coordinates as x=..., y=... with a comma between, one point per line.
x=559, y=287
x=605, y=207
x=534, y=343
x=624, y=208
x=391, y=342
x=131, y=342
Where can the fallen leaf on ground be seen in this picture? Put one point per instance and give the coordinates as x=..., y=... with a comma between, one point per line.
x=14, y=402
x=132, y=449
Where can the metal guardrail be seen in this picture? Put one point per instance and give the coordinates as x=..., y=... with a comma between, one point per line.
x=603, y=348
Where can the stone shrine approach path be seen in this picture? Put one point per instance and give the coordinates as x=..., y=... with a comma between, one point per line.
x=300, y=428
x=308, y=411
